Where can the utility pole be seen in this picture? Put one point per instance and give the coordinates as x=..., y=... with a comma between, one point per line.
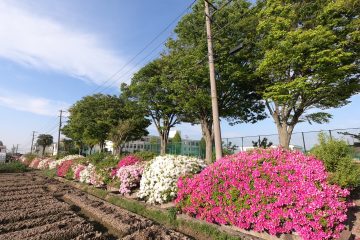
x=17, y=147
x=32, y=141
x=214, y=101
x=60, y=123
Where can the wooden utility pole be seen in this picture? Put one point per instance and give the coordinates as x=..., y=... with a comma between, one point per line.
x=214, y=101
x=32, y=142
x=60, y=123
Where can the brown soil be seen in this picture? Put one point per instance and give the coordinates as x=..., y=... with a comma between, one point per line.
x=354, y=215
x=33, y=207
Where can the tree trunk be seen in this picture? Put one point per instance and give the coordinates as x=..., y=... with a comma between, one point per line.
x=284, y=132
x=207, y=133
x=43, y=152
x=91, y=148
x=164, y=141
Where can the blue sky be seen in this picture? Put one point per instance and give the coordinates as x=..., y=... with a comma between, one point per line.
x=52, y=53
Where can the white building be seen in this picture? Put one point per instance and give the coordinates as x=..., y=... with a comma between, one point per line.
x=2, y=152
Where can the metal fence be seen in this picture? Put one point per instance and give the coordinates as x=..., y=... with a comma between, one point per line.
x=303, y=141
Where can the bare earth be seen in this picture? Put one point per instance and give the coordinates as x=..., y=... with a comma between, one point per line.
x=32, y=207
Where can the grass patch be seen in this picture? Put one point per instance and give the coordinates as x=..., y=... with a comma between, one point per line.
x=50, y=173
x=13, y=167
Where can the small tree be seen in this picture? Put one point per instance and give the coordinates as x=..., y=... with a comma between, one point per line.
x=150, y=90
x=176, y=142
x=262, y=143
x=128, y=130
x=44, y=140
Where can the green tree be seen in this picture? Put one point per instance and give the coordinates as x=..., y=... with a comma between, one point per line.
x=44, y=140
x=306, y=55
x=176, y=142
x=150, y=90
x=187, y=61
x=92, y=118
x=128, y=130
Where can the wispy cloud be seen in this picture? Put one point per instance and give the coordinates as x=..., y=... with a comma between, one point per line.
x=45, y=44
x=37, y=105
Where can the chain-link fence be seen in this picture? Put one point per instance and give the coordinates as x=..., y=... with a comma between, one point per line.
x=303, y=141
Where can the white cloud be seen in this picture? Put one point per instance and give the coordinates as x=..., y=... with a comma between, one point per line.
x=45, y=44
x=37, y=105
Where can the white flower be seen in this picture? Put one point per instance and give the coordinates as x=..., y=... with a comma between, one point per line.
x=159, y=181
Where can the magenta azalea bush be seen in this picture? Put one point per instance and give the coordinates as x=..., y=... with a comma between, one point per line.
x=275, y=190
x=129, y=177
x=128, y=160
x=63, y=168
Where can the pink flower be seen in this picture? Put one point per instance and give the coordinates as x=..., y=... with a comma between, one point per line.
x=274, y=190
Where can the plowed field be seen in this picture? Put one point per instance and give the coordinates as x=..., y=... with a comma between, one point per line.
x=32, y=207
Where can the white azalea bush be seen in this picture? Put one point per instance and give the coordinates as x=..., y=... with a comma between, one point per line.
x=159, y=180
x=87, y=174
x=56, y=163
x=45, y=163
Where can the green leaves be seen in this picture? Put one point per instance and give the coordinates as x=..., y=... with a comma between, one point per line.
x=307, y=57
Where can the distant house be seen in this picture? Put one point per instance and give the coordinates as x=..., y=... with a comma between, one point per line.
x=2, y=152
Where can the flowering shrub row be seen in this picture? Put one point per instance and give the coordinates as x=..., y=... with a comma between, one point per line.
x=273, y=190
x=64, y=168
x=56, y=163
x=158, y=183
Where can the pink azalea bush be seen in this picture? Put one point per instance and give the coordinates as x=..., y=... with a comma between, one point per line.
x=273, y=190
x=128, y=160
x=77, y=170
x=129, y=177
x=63, y=168
x=35, y=163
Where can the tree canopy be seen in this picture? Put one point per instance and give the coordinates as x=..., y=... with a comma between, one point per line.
x=306, y=58
x=93, y=118
x=44, y=140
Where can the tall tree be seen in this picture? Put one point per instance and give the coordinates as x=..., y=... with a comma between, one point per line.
x=150, y=90
x=238, y=101
x=307, y=56
x=92, y=118
x=44, y=140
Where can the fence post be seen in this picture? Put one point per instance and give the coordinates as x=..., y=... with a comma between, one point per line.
x=330, y=134
x=303, y=138
x=242, y=144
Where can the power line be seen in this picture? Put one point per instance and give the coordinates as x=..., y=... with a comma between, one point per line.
x=143, y=49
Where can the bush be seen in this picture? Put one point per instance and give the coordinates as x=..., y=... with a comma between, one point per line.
x=158, y=183
x=145, y=155
x=128, y=160
x=13, y=167
x=63, y=168
x=35, y=163
x=270, y=190
x=56, y=163
x=27, y=158
x=129, y=177
x=337, y=158
x=104, y=168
